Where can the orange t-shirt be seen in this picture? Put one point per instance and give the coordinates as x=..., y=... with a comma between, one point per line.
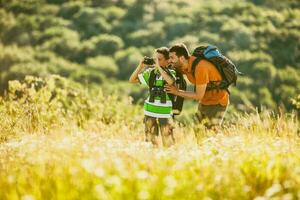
x=205, y=72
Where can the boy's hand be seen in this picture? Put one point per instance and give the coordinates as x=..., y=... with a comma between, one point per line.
x=141, y=64
x=156, y=63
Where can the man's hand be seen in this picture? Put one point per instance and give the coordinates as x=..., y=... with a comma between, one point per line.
x=171, y=89
x=198, y=95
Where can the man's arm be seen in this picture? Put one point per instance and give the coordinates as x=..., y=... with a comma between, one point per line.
x=198, y=95
x=134, y=76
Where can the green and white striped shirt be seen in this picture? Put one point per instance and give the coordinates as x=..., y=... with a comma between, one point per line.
x=156, y=108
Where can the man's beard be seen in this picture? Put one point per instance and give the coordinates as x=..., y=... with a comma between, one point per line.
x=177, y=66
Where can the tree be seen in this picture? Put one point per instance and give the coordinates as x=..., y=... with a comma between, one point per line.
x=63, y=41
x=69, y=9
x=103, y=64
x=127, y=60
x=105, y=44
x=90, y=22
x=7, y=21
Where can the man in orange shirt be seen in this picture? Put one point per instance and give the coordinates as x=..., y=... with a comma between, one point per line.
x=212, y=103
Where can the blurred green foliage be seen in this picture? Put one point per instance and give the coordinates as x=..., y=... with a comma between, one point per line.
x=100, y=42
x=40, y=105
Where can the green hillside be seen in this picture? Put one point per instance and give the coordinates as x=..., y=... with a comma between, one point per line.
x=99, y=43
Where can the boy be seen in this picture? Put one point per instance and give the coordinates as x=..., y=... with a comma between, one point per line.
x=158, y=106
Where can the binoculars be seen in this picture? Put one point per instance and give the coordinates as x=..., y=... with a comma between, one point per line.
x=158, y=92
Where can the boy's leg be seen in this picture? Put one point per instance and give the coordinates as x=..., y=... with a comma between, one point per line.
x=151, y=130
x=167, y=133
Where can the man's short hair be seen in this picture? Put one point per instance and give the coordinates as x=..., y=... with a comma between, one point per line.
x=180, y=50
x=164, y=51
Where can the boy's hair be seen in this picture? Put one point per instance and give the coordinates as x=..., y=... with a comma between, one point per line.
x=164, y=51
x=180, y=50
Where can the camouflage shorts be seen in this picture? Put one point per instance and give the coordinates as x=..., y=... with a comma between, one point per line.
x=154, y=125
x=211, y=115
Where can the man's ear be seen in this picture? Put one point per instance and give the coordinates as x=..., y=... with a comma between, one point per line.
x=181, y=59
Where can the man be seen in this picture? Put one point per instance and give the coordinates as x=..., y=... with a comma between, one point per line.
x=158, y=106
x=212, y=103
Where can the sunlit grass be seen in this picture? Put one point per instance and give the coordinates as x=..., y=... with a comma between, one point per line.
x=245, y=161
x=47, y=152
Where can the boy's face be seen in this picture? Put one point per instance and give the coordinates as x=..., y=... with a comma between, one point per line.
x=162, y=61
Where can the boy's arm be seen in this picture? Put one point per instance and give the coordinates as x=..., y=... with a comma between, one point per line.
x=169, y=79
x=134, y=76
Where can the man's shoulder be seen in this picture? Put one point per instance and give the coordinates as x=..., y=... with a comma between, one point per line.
x=201, y=62
x=203, y=66
x=205, y=63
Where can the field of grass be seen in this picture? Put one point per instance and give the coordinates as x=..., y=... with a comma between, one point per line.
x=104, y=156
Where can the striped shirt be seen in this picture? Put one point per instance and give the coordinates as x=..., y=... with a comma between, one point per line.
x=156, y=109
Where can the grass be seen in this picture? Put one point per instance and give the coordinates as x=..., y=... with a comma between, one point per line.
x=258, y=158
x=105, y=156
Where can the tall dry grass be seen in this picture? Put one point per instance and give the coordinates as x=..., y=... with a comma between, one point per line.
x=91, y=147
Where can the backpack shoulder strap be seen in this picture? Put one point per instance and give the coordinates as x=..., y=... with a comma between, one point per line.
x=169, y=72
x=194, y=65
x=152, y=78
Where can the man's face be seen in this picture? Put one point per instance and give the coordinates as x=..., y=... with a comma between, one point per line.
x=175, y=61
x=162, y=61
